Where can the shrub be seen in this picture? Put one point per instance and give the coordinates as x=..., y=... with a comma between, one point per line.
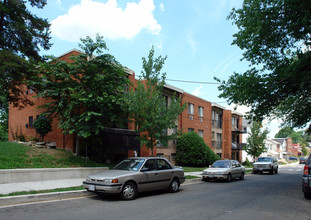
x=42, y=126
x=192, y=151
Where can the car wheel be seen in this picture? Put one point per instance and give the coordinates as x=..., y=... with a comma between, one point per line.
x=276, y=170
x=254, y=172
x=174, y=186
x=229, y=177
x=205, y=179
x=129, y=191
x=307, y=195
x=242, y=176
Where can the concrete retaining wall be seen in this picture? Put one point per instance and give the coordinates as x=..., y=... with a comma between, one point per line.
x=33, y=175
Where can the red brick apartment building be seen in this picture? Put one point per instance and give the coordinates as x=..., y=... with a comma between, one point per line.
x=220, y=128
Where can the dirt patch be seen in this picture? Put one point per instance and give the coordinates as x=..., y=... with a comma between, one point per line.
x=34, y=152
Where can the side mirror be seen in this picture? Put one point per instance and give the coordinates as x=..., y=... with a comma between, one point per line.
x=144, y=169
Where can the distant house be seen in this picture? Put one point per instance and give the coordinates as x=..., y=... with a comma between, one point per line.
x=285, y=145
x=272, y=148
x=296, y=150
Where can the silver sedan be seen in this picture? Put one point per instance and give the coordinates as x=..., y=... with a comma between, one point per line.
x=134, y=175
x=224, y=169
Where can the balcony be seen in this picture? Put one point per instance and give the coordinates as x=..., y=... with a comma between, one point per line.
x=237, y=130
x=237, y=146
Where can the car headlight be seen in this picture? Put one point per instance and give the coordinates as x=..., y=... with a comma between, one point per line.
x=88, y=178
x=111, y=180
x=204, y=172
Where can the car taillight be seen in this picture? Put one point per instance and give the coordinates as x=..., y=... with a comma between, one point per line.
x=306, y=170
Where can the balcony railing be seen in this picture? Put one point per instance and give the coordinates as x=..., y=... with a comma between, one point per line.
x=237, y=146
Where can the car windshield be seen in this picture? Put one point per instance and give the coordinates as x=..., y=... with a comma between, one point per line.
x=264, y=159
x=130, y=164
x=221, y=164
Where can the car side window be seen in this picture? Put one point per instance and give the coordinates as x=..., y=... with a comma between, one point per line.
x=151, y=165
x=163, y=165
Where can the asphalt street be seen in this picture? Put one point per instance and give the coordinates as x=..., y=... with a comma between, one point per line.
x=261, y=196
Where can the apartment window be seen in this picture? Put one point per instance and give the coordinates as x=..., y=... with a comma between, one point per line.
x=219, y=141
x=190, y=129
x=200, y=133
x=30, y=121
x=190, y=108
x=216, y=119
x=200, y=110
x=160, y=155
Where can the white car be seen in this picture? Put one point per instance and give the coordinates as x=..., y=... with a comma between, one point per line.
x=269, y=164
x=224, y=169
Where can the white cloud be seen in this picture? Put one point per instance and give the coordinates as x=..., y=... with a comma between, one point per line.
x=197, y=91
x=91, y=17
x=162, y=7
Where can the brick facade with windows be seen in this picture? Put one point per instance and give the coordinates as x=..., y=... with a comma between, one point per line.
x=212, y=122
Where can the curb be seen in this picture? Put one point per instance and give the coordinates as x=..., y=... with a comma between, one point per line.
x=14, y=200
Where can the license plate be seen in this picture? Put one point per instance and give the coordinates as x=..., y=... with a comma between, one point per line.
x=91, y=187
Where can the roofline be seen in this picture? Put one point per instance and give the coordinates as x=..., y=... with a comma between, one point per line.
x=218, y=106
x=168, y=86
x=74, y=49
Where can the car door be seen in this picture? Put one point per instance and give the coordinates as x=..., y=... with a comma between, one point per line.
x=165, y=173
x=149, y=177
x=236, y=169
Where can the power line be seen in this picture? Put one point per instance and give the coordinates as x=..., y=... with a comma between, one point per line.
x=186, y=81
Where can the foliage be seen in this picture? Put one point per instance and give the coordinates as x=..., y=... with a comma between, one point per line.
x=304, y=149
x=247, y=163
x=284, y=132
x=147, y=106
x=85, y=95
x=297, y=136
x=13, y=156
x=275, y=37
x=21, y=35
x=255, y=142
x=192, y=151
x=42, y=126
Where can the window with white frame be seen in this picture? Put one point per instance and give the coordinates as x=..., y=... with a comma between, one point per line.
x=200, y=109
x=190, y=108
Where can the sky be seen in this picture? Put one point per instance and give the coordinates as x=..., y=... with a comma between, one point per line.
x=195, y=35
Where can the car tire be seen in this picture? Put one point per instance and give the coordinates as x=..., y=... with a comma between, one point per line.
x=229, y=177
x=276, y=170
x=307, y=195
x=205, y=179
x=174, y=186
x=242, y=176
x=129, y=191
x=254, y=172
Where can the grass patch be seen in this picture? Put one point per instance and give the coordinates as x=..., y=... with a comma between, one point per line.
x=193, y=169
x=189, y=177
x=43, y=191
x=14, y=156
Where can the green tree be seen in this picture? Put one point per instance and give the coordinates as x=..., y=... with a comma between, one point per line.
x=275, y=38
x=21, y=34
x=147, y=107
x=284, y=132
x=255, y=142
x=42, y=126
x=304, y=150
x=85, y=95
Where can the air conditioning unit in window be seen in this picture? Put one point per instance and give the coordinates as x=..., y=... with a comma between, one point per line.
x=201, y=119
x=191, y=117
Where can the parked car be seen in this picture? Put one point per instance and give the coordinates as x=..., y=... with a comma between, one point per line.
x=134, y=175
x=224, y=169
x=269, y=164
x=293, y=158
x=306, y=179
x=303, y=159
